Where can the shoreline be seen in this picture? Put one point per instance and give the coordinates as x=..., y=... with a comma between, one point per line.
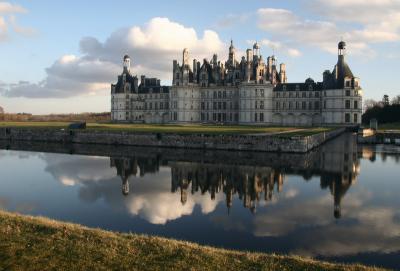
x=286, y=143
x=37, y=243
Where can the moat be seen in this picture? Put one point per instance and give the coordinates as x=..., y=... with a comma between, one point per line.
x=338, y=202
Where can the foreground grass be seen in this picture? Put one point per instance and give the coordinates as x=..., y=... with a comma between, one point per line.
x=28, y=243
x=173, y=128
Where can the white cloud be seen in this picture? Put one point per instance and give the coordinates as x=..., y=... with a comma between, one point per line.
x=6, y=7
x=151, y=47
x=285, y=25
x=10, y=9
x=3, y=29
x=281, y=47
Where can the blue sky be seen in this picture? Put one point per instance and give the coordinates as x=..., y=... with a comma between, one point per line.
x=59, y=56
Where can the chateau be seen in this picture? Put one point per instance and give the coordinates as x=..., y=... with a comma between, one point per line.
x=247, y=91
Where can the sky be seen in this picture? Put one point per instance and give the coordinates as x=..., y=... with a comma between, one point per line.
x=62, y=56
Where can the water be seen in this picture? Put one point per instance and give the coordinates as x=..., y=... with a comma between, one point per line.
x=338, y=203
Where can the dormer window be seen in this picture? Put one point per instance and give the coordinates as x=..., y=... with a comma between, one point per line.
x=297, y=87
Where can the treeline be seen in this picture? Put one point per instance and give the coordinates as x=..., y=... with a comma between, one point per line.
x=88, y=117
x=384, y=111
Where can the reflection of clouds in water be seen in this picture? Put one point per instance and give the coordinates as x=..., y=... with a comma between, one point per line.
x=362, y=229
x=71, y=170
x=19, y=154
x=291, y=193
x=149, y=197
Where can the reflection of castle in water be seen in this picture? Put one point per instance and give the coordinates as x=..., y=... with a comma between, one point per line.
x=252, y=180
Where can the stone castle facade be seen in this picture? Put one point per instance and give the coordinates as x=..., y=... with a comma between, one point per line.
x=250, y=91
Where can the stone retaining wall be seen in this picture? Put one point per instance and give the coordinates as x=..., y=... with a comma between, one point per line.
x=269, y=143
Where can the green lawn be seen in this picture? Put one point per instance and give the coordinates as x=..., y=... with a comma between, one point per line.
x=172, y=128
x=28, y=243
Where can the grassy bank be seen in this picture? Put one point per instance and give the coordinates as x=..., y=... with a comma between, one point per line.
x=172, y=128
x=28, y=243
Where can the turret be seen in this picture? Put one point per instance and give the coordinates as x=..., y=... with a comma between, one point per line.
x=185, y=57
x=256, y=50
x=127, y=64
x=231, y=54
x=282, y=73
x=341, y=49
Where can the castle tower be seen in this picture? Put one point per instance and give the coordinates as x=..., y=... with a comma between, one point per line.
x=127, y=64
x=232, y=54
x=341, y=49
x=256, y=49
x=282, y=73
x=185, y=57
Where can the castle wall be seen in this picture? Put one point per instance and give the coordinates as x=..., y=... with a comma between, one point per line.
x=296, y=144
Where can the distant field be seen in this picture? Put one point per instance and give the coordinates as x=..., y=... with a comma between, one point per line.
x=389, y=126
x=173, y=128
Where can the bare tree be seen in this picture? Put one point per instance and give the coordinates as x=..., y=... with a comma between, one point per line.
x=369, y=103
x=396, y=100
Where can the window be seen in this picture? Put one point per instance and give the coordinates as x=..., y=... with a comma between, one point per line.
x=347, y=104
x=324, y=104
x=262, y=92
x=215, y=106
x=202, y=105
x=224, y=94
x=355, y=104
x=255, y=105
x=317, y=94
x=290, y=105
x=284, y=87
x=347, y=117
x=261, y=104
x=219, y=105
x=277, y=105
x=215, y=94
x=255, y=117
x=316, y=105
x=297, y=105
x=303, y=105
x=255, y=92
x=303, y=94
x=347, y=83
x=347, y=92
x=219, y=94
x=310, y=106
x=177, y=76
x=355, y=118
x=224, y=105
x=261, y=116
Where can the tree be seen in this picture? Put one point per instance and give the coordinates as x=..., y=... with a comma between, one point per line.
x=385, y=100
x=396, y=100
x=369, y=103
